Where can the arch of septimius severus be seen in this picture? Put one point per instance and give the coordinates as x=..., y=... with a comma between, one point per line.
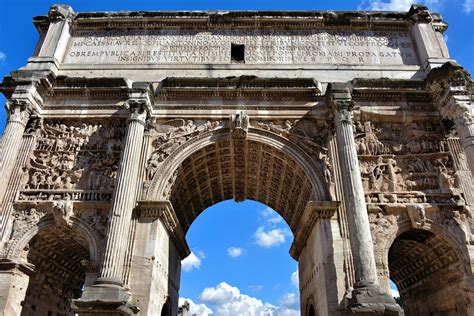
x=356, y=127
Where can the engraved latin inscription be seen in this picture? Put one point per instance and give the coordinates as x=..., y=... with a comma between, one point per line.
x=261, y=47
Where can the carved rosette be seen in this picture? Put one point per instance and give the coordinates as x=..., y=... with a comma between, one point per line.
x=311, y=136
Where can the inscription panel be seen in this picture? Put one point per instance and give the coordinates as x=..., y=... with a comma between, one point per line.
x=261, y=47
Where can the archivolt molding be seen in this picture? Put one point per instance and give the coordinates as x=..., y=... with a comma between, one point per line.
x=159, y=186
x=449, y=223
x=31, y=221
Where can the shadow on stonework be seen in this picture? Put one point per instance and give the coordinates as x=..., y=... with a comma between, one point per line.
x=429, y=273
x=58, y=255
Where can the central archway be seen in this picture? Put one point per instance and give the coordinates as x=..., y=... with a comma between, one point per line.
x=264, y=167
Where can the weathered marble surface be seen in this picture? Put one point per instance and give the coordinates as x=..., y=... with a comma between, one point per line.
x=261, y=47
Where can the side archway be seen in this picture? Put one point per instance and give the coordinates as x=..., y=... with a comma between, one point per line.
x=428, y=265
x=62, y=258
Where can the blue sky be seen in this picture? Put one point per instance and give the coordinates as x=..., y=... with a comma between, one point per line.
x=246, y=263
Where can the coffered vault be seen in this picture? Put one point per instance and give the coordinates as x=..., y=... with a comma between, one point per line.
x=356, y=127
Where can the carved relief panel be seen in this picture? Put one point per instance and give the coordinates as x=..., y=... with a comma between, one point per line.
x=73, y=160
x=406, y=163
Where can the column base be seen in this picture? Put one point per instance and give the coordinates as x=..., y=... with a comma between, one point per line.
x=371, y=300
x=104, y=300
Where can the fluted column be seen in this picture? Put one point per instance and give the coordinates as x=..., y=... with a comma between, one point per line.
x=358, y=220
x=367, y=297
x=19, y=113
x=124, y=198
x=448, y=86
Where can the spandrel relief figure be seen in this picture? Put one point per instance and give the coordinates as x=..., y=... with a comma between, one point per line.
x=169, y=135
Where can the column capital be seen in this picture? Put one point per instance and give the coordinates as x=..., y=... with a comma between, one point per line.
x=18, y=111
x=339, y=100
x=140, y=101
x=164, y=211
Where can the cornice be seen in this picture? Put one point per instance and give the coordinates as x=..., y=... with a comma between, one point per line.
x=362, y=20
x=244, y=87
x=389, y=90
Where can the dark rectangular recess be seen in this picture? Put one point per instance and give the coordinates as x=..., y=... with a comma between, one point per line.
x=237, y=53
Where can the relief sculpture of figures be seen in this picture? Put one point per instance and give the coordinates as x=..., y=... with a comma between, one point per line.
x=73, y=157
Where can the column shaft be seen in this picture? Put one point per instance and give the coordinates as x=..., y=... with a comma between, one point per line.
x=123, y=202
x=465, y=128
x=358, y=221
x=11, y=143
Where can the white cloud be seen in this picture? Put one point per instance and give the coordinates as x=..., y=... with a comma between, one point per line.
x=399, y=5
x=270, y=216
x=270, y=238
x=392, y=5
x=256, y=288
x=227, y=300
x=196, y=309
x=190, y=262
x=235, y=252
x=200, y=254
x=468, y=6
x=3, y=56
x=395, y=293
x=290, y=301
x=295, y=280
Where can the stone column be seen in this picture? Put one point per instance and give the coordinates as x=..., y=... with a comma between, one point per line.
x=367, y=297
x=108, y=288
x=123, y=200
x=449, y=87
x=19, y=113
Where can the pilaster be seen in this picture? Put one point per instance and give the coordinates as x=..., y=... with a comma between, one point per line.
x=159, y=247
x=55, y=40
x=426, y=30
x=367, y=297
x=14, y=278
x=449, y=88
x=108, y=294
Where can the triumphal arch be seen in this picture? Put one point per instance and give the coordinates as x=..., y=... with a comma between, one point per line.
x=356, y=127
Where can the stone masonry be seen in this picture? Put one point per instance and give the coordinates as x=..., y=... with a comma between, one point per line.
x=356, y=127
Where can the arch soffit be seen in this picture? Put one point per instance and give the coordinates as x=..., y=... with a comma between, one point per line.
x=95, y=249
x=174, y=161
x=432, y=227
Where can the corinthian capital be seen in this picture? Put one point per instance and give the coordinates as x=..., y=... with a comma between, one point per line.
x=340, y=102
x=19, y=111
x=140, y=101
